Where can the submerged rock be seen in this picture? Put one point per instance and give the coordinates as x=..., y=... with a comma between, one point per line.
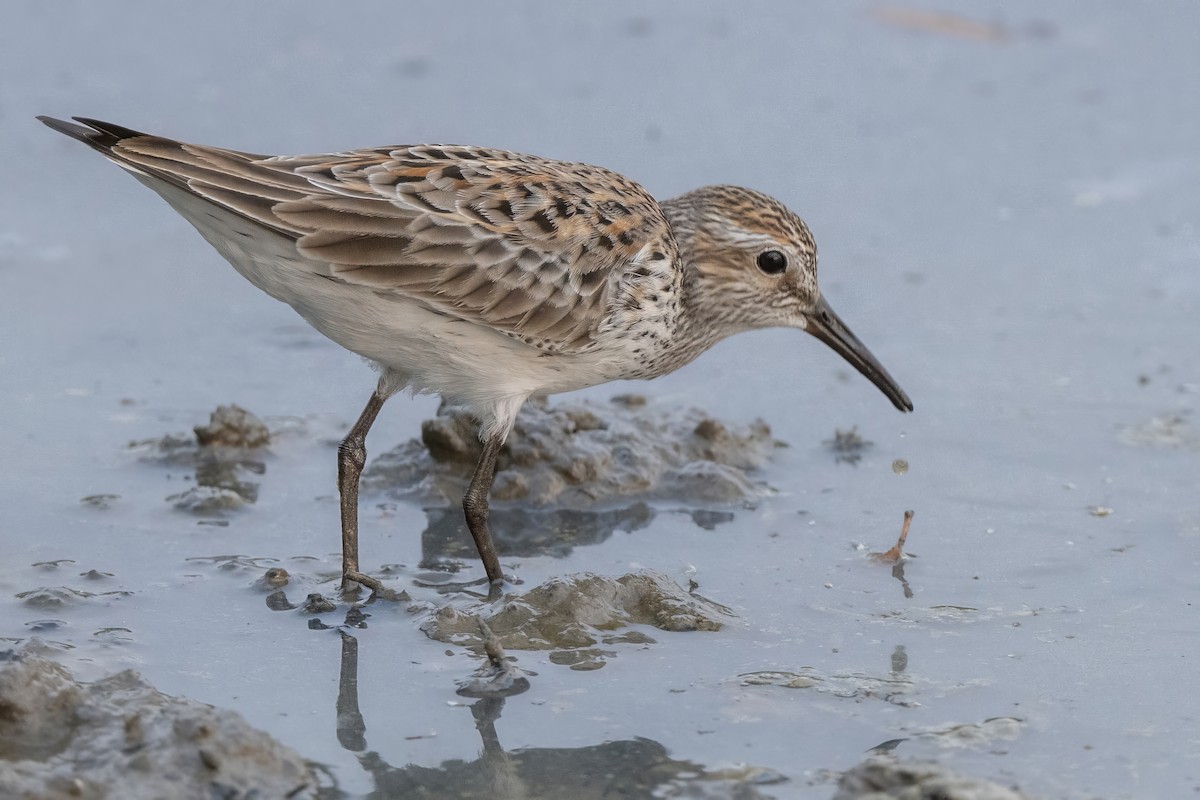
x=577, y=454
x=120, y=737
x=885, y=778
x=574, y=612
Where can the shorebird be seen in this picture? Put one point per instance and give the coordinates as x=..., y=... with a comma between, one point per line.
x=489, y=277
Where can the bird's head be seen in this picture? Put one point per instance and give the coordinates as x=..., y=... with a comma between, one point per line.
x=754, y=264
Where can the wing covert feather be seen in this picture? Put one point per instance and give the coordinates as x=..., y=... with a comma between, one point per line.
x=536, y=248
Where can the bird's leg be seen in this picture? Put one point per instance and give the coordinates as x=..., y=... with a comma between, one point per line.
x=475, y=504
x=352, y=456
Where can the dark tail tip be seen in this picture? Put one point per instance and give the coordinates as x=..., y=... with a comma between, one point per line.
x=119, y=131
x=98, y=134
x=69, y=128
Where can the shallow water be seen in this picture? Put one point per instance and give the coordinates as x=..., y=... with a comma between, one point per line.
x=1006, y=214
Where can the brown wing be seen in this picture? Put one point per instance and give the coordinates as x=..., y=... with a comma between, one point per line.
x=533, y=247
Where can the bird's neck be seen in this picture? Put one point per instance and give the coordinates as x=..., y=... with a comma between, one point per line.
x=701, y=323
x=703, y=318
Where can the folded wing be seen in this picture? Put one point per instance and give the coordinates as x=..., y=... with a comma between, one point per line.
x=539, y=249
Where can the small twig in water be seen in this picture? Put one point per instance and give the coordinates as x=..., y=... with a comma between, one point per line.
x=492, y=647
x=897, y=552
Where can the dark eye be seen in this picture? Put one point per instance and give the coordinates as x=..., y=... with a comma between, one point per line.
x=772, y=262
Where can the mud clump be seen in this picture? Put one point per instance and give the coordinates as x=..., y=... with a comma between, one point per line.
x=577, y=612
x=895, y=689
x=233, y=426
x=221, y=455
x=578, y=454
x=48, y=598
x=120, y=737
x=884, y=778
x=231, y=430
x=208, y=501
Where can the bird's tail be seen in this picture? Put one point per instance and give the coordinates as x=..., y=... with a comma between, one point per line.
x=97, y=134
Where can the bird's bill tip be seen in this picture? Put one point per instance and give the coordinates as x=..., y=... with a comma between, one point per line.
x=827, y=326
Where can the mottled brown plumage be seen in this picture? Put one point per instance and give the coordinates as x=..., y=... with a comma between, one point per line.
x=489, y=276
x=529, y=246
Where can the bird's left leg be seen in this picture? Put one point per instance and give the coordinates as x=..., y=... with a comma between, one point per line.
x=352, y=456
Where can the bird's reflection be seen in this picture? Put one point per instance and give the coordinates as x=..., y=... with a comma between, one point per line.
x=898, y=574
x=899, y=660
x=628, y=768
x=523, y=532
x=351, y=728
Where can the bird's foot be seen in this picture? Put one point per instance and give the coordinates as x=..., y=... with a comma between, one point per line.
x=353, y=581
x=495, y=589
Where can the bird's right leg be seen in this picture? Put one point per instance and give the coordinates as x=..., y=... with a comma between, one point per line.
x=475, y=505
x=352, y=456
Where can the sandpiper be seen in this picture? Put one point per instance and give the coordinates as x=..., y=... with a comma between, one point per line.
x=489, y=277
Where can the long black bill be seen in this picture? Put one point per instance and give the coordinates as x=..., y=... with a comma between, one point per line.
x=829, y=328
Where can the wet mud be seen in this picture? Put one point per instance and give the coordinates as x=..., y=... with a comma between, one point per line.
x=1005, y=214
x=574, y=454
x=119, y=737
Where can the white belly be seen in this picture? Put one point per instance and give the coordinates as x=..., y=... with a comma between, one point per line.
x=423, y=350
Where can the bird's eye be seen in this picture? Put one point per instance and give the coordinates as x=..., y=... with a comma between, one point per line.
x=772, y=262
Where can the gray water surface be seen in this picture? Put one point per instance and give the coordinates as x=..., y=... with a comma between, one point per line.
x=1007, y=210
